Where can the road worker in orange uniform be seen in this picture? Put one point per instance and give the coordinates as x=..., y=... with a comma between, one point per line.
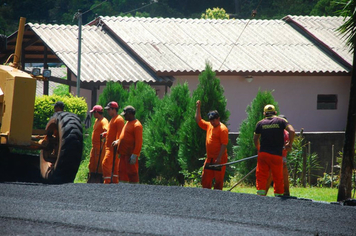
x=217, y=138
x=111, y=162
x=96, y=153
x=129, y=146
x=271, y=131
x=285, y=168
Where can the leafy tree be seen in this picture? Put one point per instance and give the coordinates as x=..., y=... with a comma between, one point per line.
x=215, y=13
x=161, y=134
x=113, y=92
x=245, y=146
x=349, y=31
x=143, y=97
x=325, y=8
x=61, y=90
x=192, y=137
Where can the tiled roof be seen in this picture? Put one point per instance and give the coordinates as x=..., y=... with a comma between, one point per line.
x=102, y=58
x=324, y=29
x=171, y=46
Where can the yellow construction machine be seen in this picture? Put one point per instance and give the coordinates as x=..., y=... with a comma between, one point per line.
x=59, y=146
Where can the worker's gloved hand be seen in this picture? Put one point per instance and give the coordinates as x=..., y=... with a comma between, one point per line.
x=133, y=159
x=114, y=143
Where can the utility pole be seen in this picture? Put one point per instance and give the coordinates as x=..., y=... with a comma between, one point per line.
x=79, y=16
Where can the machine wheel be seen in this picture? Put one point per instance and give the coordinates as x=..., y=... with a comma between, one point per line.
x=60, y=161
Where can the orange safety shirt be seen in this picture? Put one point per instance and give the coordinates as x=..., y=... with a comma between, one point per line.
x=215, y=137
x=131, y=138
x=99, y=127
x=115, y=127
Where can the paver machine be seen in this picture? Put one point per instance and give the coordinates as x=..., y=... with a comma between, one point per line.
x=52, y=155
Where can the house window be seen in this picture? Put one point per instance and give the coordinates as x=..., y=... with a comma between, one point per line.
x=327, y=102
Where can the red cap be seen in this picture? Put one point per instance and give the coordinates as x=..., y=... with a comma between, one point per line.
x=97, y=108
x=112, y=105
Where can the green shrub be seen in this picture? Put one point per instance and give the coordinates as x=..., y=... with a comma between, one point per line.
x=144, y=99
x=160, y=135
x=244, y=143
x=295, y=162
x=44, y=108
x=113, y=92
x=82, y=174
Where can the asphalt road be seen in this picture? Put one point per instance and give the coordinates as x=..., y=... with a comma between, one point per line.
x=125, y=209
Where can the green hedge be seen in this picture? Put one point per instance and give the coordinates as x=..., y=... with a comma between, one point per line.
x=44, y=108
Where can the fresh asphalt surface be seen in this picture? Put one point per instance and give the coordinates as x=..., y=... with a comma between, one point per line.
x=126, y=209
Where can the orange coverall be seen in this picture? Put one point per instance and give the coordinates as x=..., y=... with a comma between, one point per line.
x=99, y=127
x=114, y=130
x=215, y=137
x=271, y=130
x=130, y=143
x=285, y=169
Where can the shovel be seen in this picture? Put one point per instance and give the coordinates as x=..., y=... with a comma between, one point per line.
x=96, y=177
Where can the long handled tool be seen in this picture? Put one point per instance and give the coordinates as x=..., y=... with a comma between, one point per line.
x=113, y=163
x=230, y=163
x=243, y=178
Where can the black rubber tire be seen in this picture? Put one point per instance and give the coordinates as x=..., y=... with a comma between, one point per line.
x=59, y=163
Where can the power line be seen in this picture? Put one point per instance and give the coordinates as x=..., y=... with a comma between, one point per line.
x=78, y=13
x=253, y=14
x=151, y=2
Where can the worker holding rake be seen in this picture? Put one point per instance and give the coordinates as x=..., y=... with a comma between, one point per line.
x=217, y=138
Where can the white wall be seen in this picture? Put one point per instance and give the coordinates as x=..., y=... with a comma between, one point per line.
x=296, y=96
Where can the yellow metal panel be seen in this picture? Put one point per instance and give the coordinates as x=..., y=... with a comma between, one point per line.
x=19, y=98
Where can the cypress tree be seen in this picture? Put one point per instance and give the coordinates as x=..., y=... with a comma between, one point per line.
x=113, y=92
x=161, y=135
x=245, y=146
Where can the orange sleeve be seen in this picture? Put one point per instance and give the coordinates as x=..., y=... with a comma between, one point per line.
x=203, y=124
x=138, y=138
x=119, y=124
x=224, y=137
x=105, y=124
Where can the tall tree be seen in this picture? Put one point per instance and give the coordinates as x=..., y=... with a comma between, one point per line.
x=161, y=140
x=349, y=30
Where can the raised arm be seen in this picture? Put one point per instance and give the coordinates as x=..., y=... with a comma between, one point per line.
x=197, y=112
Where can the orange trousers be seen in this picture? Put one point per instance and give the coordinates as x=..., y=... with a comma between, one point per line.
x=209, y=175
x=94, y=158
x=267, y=162
x=285, y=179
x=108, y=166
x=128, y=172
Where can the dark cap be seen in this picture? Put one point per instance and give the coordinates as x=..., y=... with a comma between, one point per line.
x=128, y=109
x=112, y=105
x=213, y=115
x=59, y=104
